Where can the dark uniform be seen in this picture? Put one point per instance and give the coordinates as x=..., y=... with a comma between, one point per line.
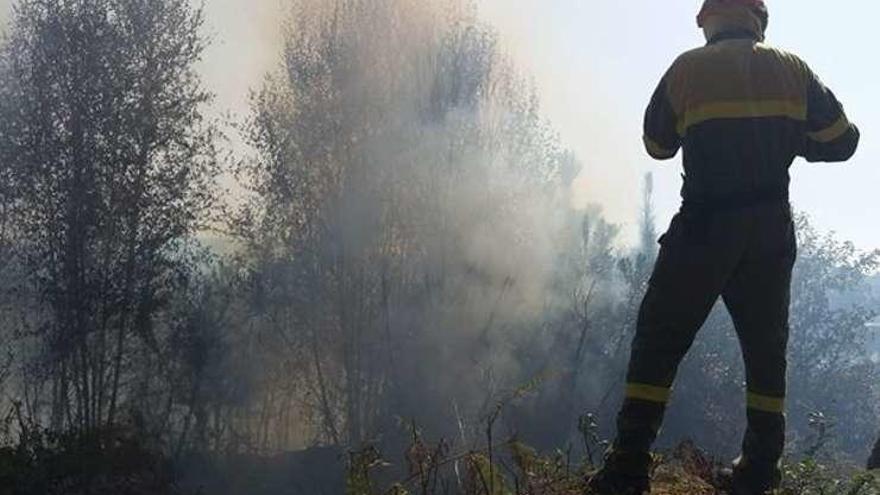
x=874, y=460
x=741, y=111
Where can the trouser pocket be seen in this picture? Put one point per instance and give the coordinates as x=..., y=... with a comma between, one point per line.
x=690, y=226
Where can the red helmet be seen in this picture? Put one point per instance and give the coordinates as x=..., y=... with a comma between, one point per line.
x=756, y=6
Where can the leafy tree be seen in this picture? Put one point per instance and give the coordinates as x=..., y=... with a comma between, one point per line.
x=111, y=165
x=391, y=229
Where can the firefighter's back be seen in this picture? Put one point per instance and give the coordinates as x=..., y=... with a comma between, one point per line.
x=742, y=111
x=742, y=116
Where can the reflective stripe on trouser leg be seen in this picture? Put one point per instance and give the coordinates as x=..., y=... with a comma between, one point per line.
x=758, y=297
x=764, y=439
x=649, y=393
x=765, y=403
x=638, y=423
x=765, y=435
x=640, y=417
x=687, y=280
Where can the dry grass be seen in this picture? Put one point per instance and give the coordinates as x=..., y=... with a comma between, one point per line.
x=674, y=479
x=515, y=469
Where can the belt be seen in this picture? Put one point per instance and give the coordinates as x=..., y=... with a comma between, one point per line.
x=774, y=194
x=698, y=214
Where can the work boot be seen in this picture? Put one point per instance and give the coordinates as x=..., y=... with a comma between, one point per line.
x=607, y=483
x=622, y=474
x=745, y=479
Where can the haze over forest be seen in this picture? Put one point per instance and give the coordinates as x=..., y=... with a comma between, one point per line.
x=425, y=258
x=552, y=43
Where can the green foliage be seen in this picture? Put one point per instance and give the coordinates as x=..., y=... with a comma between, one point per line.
x=685, y=470
x=407, y=251
x=110, y=165
x=360, y=467
x=109, y=462
x=485, y=477
x=540, y=474
x=594, y=446
x=810, y=477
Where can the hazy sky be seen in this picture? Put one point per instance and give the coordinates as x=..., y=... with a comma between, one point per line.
x=596, y=63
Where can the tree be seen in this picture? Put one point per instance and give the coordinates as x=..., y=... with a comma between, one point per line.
x=112, y=165
x=647, y=222
x=391, y=227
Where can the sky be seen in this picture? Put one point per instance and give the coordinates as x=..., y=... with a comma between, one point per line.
x=595, y=63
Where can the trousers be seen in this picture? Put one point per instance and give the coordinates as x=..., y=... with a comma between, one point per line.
x=744, y=256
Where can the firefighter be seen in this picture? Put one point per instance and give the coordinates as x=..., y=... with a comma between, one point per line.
x=874, y=460
x=741, y=111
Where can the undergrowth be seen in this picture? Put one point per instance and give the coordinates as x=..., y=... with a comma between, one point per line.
x=113, y=461
x=516, y=469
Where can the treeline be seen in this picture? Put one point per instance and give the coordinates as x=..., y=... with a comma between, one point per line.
x=398, y=253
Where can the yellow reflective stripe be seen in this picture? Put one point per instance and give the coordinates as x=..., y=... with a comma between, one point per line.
x=742, y=110
x=766, y=403
x=649, y=393
x=832, y=132
x=656, y=150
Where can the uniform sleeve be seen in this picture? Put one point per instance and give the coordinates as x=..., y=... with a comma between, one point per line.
x=830, y=135
x=661, y=134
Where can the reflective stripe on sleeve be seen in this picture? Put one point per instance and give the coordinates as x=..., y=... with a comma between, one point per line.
x=765, y=403
x=656, y=150
x=741, y=110
x=650, y=393
x=832, y=132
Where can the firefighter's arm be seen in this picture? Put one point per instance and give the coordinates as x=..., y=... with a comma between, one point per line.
x=661, y=134
x=830, y=135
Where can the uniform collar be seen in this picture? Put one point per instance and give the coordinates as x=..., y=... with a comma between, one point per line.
x=736, y=34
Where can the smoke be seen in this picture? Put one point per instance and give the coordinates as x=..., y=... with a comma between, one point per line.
x=558, y=46
x=249, y=39
x=449, y=269
x=411, y=210
x=5, y=11
x=402, y=163
x=246, y=40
